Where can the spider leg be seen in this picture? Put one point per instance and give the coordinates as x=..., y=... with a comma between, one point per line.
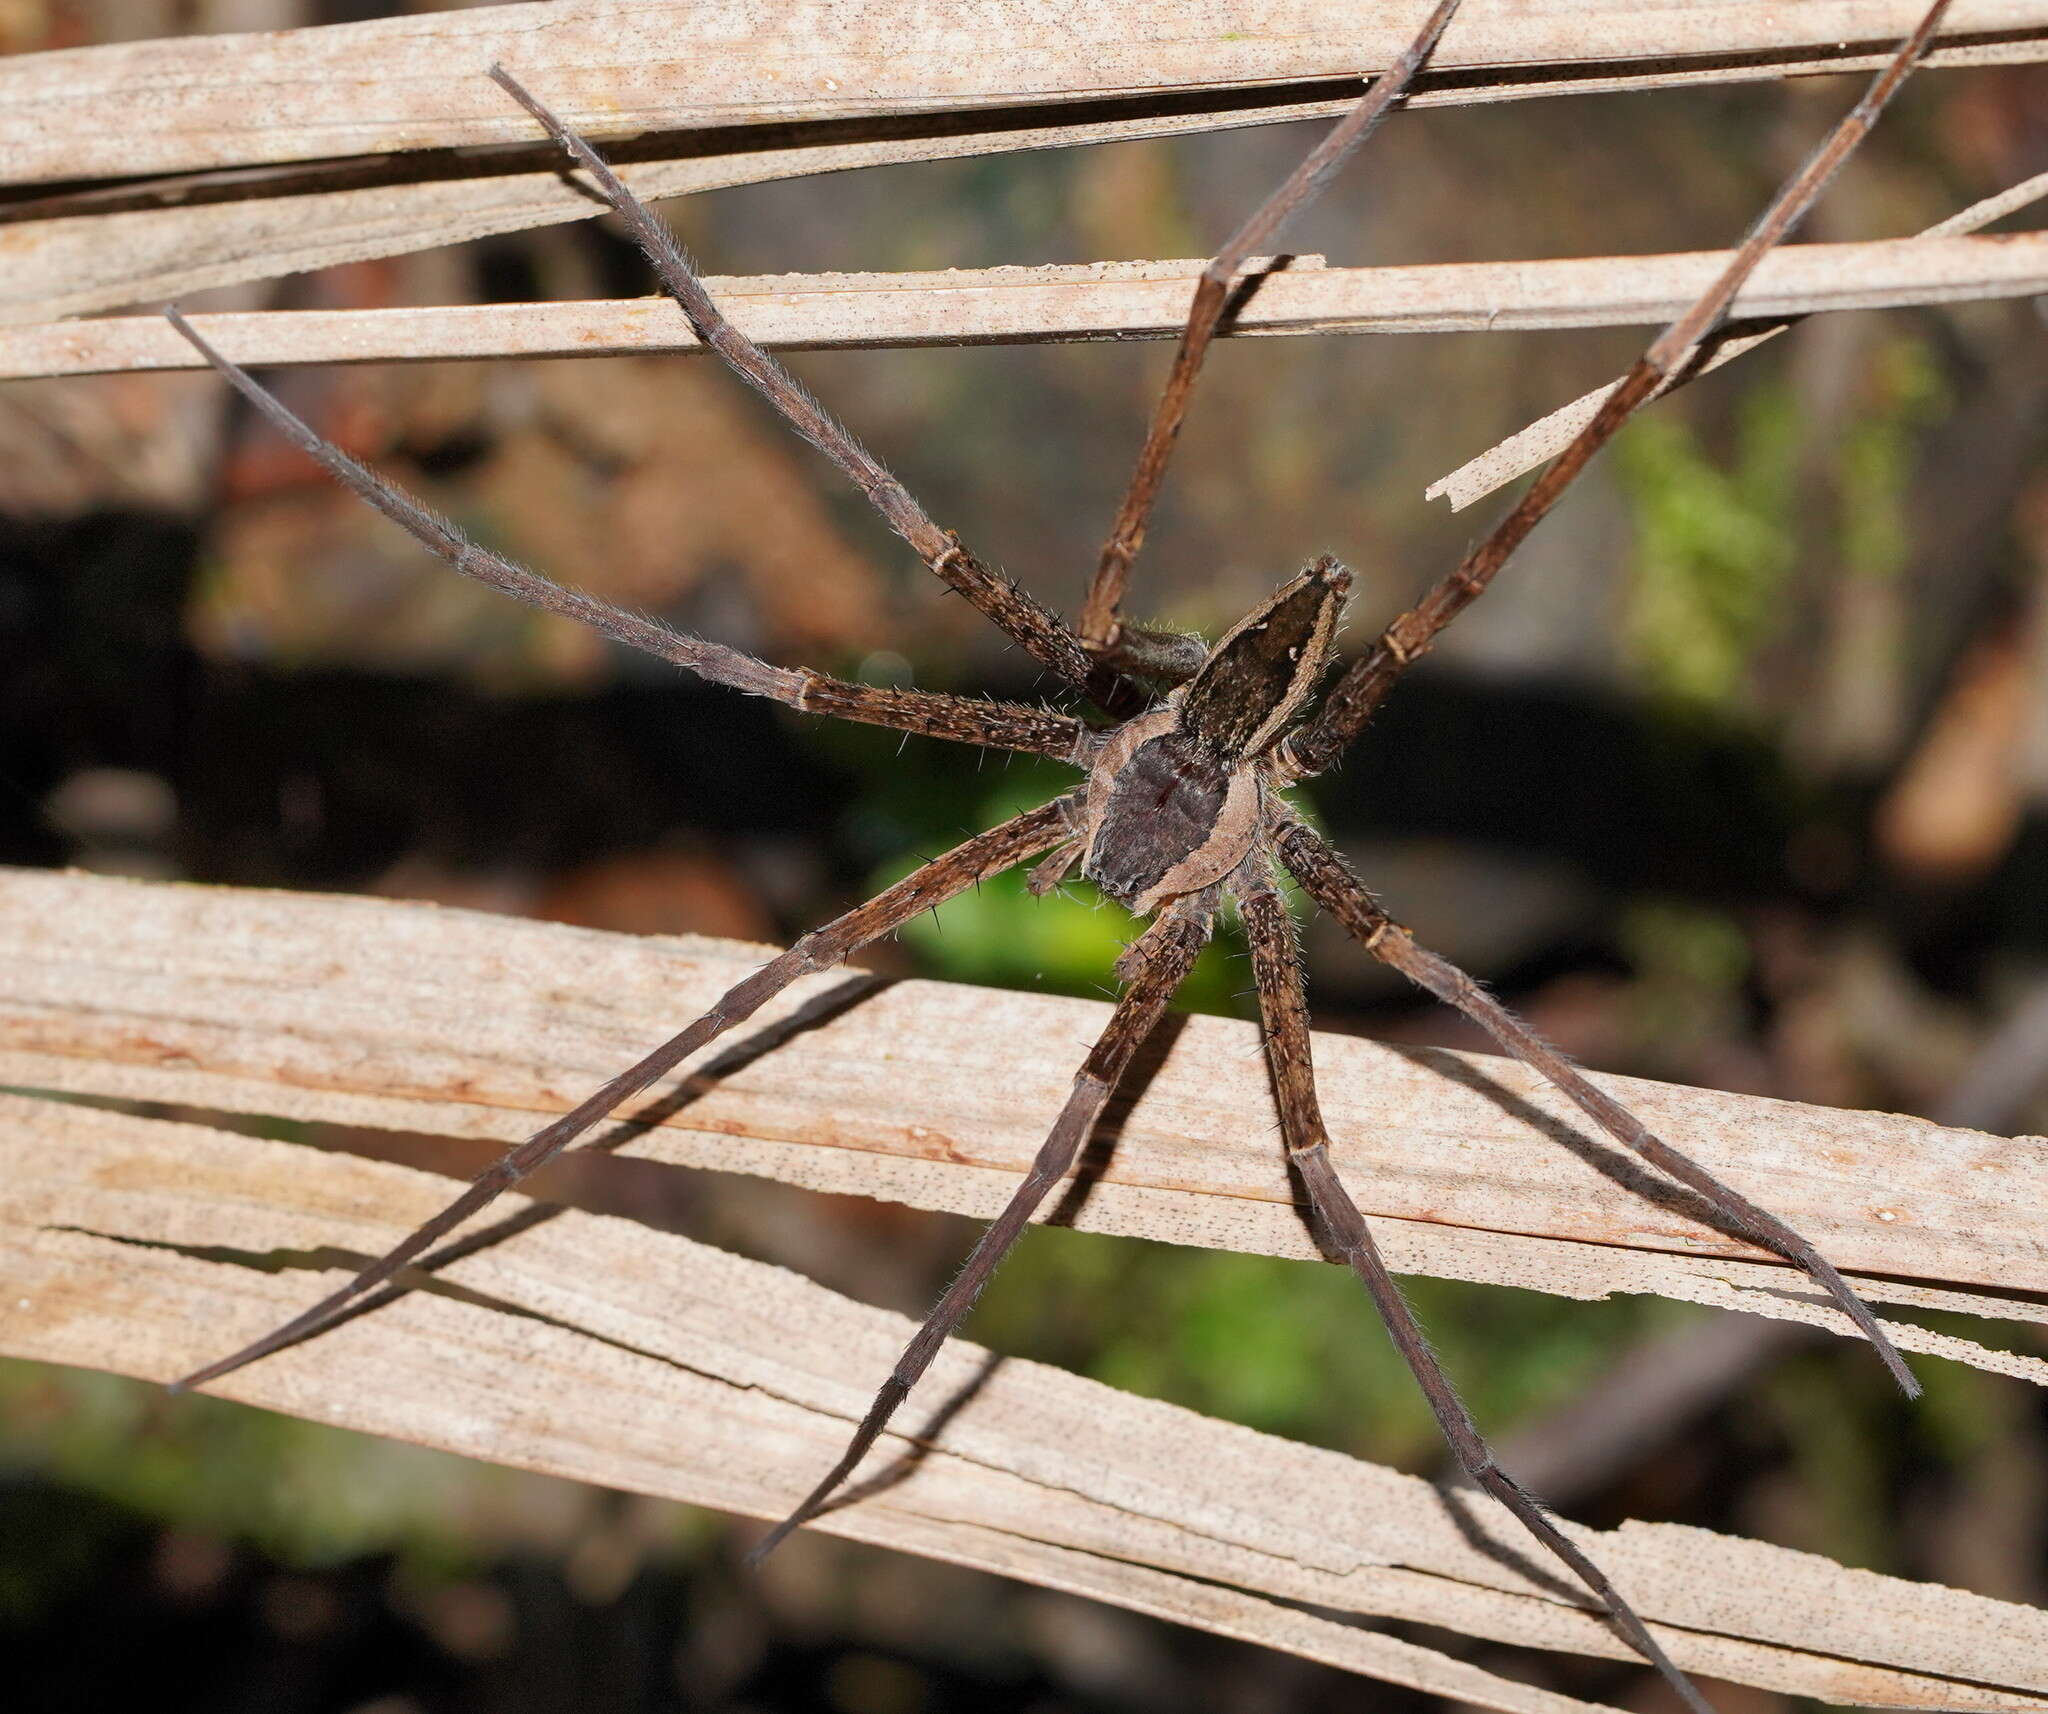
x=963, y=719
x=1100, y=623
x=1549, y=435
x=1365, y=684
x=1030, y=625
x=985, y=854
x=1284, y=1009
x=1008, y=726
x=1329, y=881
x=1153, y=968
x=1050, y=871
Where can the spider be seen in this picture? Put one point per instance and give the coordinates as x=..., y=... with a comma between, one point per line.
x=1182, y=805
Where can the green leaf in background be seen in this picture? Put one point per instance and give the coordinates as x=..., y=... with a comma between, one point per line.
x=1294, y=1347
x=1714, y=548
x=1875, y=467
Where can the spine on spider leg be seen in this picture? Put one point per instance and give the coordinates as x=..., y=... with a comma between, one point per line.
x=1022, y=617
x=963, y=719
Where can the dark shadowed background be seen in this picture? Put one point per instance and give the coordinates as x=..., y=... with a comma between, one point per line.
x=1737, y=779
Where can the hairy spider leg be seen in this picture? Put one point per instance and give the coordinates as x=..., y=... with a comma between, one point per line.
x=1364, y=686
x=1021, y=617
x=966, y=719
x=1328, y=880
x=1153, y=968
x=1283, y=1007
x=1101, y=624
x=1015, y=841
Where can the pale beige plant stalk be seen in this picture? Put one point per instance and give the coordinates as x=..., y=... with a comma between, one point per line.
x=1102, y=300
x=1545, y=438
x=591, y=1347
x=1000, y=75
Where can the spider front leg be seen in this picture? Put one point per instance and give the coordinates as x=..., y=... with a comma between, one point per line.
x=974, y=860
x=1003, y=725
x=1153, y=968
x=1283, y=1008
x=1329, y=881
x=1102, y=627
x=1025, y=621
x=1364, y=686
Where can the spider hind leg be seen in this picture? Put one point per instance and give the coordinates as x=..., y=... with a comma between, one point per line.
x=1158, y=961
x=1284, y=1011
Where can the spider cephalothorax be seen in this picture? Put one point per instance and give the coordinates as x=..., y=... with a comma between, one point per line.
x=1177, y=795
x=1180, y=808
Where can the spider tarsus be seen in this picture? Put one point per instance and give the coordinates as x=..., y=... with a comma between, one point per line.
x=1537, y=1518
x=886, y=1401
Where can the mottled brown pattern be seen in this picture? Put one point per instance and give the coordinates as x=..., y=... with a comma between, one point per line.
x=1267, y=664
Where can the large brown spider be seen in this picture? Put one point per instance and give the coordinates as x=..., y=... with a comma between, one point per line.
x=1183, y=801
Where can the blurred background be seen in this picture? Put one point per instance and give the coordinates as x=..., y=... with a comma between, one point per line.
x=1736, y=779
